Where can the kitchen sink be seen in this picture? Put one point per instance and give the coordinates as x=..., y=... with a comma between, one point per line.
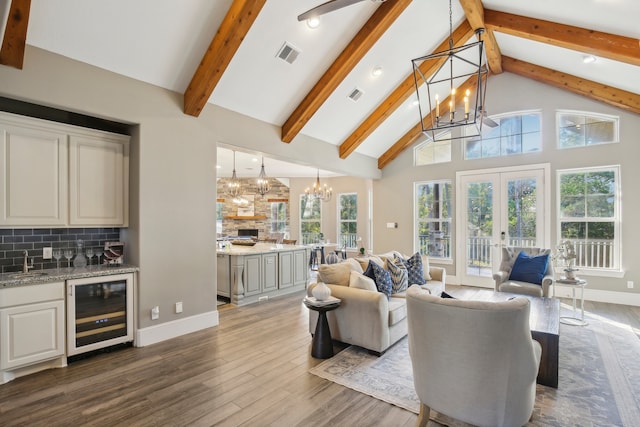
x=28, y=275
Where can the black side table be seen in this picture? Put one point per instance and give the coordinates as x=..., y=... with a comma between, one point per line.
x=322, y=345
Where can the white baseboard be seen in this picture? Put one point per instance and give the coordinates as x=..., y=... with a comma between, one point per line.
x=176, y=328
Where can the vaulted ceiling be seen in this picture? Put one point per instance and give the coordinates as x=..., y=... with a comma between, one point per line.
x=225, y=52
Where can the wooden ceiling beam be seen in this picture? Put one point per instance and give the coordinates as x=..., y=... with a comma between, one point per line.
x=405, y=90
x=474, y=11
x=618, y=48
x=416, y=131
x=619, y=98
x=233, y=29
x=368, y=35
x=15, y=34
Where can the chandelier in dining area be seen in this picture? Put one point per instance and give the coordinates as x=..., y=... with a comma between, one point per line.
x=318, y=191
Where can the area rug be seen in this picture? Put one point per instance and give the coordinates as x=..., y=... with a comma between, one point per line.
x=599, y=377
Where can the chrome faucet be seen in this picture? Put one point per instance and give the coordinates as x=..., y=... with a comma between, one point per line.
x=25, y=264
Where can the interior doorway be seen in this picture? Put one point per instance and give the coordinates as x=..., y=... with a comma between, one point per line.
x=497, y=208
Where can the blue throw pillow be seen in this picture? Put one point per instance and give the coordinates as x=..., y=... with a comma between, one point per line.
x=529, y=269
x=415, y=270
x=382, y=278
x=369, y=272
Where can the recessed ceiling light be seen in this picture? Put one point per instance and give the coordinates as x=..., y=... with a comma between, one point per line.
x=588, y=59
x=255, y=160
x=415, y=102
x=313, y=23
x=376, y=71
x=218, y=166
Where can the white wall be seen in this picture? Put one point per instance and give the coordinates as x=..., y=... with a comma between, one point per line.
x=171, y=236
x=393, y=194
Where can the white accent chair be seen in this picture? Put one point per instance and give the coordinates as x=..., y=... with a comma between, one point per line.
x=501, y=278
x=474, y=361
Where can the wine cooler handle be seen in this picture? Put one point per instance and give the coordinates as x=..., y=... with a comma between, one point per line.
x=71, y=291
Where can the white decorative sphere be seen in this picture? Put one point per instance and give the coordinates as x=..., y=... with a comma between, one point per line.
x=321, y=291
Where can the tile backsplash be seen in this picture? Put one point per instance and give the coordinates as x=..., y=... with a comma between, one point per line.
x=13, y=243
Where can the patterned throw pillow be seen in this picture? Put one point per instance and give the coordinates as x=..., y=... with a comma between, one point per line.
x=399, y=276
x=415, y=269
x=382, y=278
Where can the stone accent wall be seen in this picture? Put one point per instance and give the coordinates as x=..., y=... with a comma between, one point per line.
x=262, y=206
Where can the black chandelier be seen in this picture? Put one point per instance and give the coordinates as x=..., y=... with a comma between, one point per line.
x=462, y=76
x=262, y=182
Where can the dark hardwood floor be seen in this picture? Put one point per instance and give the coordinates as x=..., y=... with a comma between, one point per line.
x=251, y=370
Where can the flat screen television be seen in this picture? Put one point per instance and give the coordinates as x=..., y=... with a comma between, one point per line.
x=248, y=232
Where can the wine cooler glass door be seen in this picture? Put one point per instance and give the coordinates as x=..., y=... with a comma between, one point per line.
x=100, y=312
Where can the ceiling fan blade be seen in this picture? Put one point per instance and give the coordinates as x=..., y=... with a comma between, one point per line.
x=489, y=122
x=327, y=7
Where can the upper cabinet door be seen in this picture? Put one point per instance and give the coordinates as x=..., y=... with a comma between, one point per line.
x=98, y=180
x=33, y=180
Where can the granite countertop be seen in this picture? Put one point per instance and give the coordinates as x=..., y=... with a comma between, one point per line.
x=36, y=277
x=258, y=248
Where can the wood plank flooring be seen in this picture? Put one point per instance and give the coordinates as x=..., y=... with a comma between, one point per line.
x=251, y=370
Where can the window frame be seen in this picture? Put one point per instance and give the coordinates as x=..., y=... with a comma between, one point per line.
x=587, y=114
x=448, y=258
x=438, y=143
x=537, y=112
x=273, y=221
x=340, y=221
x=616, y=269
x=304, y=220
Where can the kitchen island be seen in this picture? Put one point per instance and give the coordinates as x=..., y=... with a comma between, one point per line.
x=247, y=274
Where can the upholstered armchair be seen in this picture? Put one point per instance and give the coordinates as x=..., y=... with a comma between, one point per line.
x=474, y=361
x=505, y=283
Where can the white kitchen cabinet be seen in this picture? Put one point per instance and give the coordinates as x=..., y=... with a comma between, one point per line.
x=32, y=325
x=33, y=181
x=98, y=180
x=57, y=175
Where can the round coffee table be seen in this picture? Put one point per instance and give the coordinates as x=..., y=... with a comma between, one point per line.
x=575, y=320
x=322, y=345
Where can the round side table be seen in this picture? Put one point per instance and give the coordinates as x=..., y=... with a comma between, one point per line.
x=575, y=320
x=322, y=345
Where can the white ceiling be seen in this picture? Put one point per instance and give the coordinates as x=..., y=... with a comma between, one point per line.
x=162, y=41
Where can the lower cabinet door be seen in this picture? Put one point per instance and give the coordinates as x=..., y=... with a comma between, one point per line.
x=286, y=270
x=252, y=274
x=31, y=333
x=270, y=269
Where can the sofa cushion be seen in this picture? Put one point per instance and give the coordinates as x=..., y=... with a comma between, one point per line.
x=360, y=281
x=364, y=261
x=382, y=278
x=529, y=269
x=335, y=274
x=355, y=265
x=397, y=310
x=399, y=276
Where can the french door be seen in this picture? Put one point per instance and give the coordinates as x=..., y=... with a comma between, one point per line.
x=497, y=208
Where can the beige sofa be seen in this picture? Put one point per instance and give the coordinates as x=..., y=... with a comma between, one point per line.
x=366, y=317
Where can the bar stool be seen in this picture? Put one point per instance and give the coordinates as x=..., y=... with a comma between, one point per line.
x=313, y=259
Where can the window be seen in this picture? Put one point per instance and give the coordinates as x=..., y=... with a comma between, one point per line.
x=433, y=218
x=506, y=135
x=310, y=219
x=219, y=210
x=431, y=152
x=588, y=217
x=348, y=220
x=278, y=217
x=581, y=129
